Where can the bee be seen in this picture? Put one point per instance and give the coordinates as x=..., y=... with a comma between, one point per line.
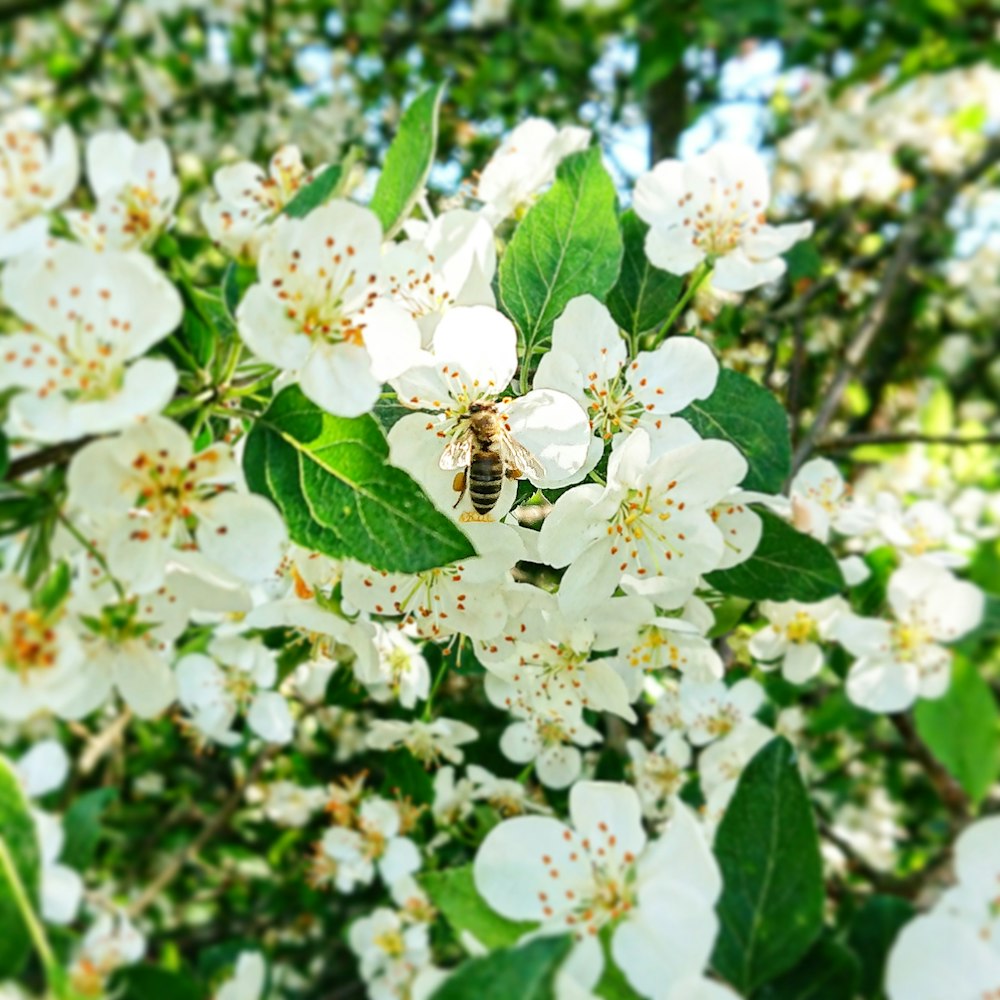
x=485, y=454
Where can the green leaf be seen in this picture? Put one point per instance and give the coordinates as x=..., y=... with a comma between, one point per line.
x=804, y=261
x=747, y=415
x=527, y=973
x=236, y=280
x=771, y=908
x=147, y=982
x=82, y=824
x=330, y=479
x=453, y=892
x=962, y=729
x=408, y=161
x=643, y=295
x=828, y=972
x=568, y=245
x=317, y=192
x=17, y=831
x=406, y=776
x=872, y=933
x=4, y=455
x=787, y=566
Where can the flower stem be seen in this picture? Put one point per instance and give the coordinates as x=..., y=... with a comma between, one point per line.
x=31, y=921
x=701, y=272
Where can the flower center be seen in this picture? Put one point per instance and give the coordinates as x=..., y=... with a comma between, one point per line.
x=907, y=640
x=801, y=629
x=391, y=942
x=612, y=406
x=28, y=640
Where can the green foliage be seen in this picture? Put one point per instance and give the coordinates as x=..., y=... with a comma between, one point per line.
x=453, y=892
x=771, y=908
x=408, y=161
x=787, y=565
x=146, y=982
x=643, y=295
x=406, y=777
x=317, y=192
x=330, y=480
x=568, y=244
x=526, y=973
x=962, y=729
x=83, y=826
x=20, y=847
x=4, y=455
x=747, y=415
x=827, y=972
x=871, y=935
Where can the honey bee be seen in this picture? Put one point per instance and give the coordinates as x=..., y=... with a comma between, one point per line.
x=485, y=454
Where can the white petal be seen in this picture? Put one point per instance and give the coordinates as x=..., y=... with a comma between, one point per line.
x=270, y=717
x=338, y=378
x=244, y=534
x=552, y=426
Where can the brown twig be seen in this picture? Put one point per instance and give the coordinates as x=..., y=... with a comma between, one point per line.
x=51, y=455
x=214, y=826
x=957, y=440
x=955, y=800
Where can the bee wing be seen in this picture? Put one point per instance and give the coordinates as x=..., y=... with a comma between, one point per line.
x=457, y=453
x=516, y=456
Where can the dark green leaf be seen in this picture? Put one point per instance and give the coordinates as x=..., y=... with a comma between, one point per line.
x=787, y=566
x=962, y=729
x=82, y=823
x=317, y=192
x=406, y=776
x=872, y=933
x=330, y=479
x=453, y=892
x=569, y=244
x=4, y=455
x=643, y=295
x=526, y=973
x=237, y=279
x=17, y=834
x=746, y=414
x=771, y=908
x=828, y=972
x=804, y=261
x=408, y=161
x=147, y=982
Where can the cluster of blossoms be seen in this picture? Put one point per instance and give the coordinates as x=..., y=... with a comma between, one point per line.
x=178, y=590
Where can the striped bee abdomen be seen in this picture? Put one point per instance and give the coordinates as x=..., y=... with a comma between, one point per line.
x=485, y=481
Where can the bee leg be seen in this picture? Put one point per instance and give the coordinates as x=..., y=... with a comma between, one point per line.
x=513, y=473
x=458, y=485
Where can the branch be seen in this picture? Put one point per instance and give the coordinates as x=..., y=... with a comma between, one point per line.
x=948, y=789
x=214, y=826
x=52, y=455
x=92, y=63
x=848, y=441
x=874, y=319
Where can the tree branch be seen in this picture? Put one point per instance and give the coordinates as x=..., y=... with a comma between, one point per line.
x=848, y=441
x=948, y=789
x=52, y=455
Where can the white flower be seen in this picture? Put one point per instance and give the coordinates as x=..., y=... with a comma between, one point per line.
x=712, y=710
x=135, y=189
x=427, y=741
x=247, y=980
x=589, y=361
x=507, y=795
x=91, y=318
x=721, y=764
x=292, y=805
x=659, y=773
x=793, y=636
x=551, y=743
x=925, y=529
x=818, y=496
x=400, y=672
x=236, y=676
x=649, y=530
x=250, y=199
x=712, y=208
x=40, y=654
x=453, y=797
x=953, y=950
x=657, y=897
x=473, y=359
x=526, y=161
x=463, y=598
x=147, y=487
x=317, y=312
x=452, y=264
x=111, y=942
x=33, y=180
x=390, y=949
x=899, y=661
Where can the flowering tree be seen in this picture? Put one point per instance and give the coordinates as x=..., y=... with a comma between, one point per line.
x=457, y=565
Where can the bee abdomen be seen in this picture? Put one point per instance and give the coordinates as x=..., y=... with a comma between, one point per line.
x=485, y=481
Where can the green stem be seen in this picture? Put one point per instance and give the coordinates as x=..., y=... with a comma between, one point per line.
x=442, y=671
x=91, y=548
x=31, y=921
x=701, y=272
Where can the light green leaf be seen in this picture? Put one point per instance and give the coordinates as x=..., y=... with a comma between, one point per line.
x=787, y=566
x=82, y=824
x=526, y=973
x=569, y=244
x=771, y=908
x=643, y=295
x=962, y=729
x=17, y=831
x=317, y=192
x=453, y=892
x=747, y=415
x=330, y=479
x=408, y=161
